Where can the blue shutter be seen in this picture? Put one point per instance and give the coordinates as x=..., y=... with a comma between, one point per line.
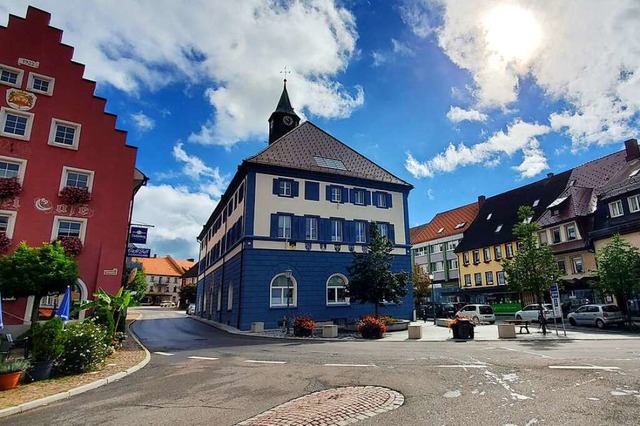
x=274, y=225
x=374, y=198
x=312, y=191
x=350, y=231
x=295, y=229
x=324, y=226
x=276, y=186
x=328, y=192
x=352, y=195
x=389, y=201
x=392, y=233
x=295, y=188
x=367, y=198
x=367, y=230
x=345, y=195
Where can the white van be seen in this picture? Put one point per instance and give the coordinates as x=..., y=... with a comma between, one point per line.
x=478, y=313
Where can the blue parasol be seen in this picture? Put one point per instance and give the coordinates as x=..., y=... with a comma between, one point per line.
x=63, y=309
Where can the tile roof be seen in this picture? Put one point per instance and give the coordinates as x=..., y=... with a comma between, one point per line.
x=503, y=209
x=166, y=266
x=192, y=272
x=300, y=148
x=447, y=222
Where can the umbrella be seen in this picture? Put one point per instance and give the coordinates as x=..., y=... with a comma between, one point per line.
x=63, y=309
x=1, y=323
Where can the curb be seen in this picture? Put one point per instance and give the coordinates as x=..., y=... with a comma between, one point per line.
x=84, y=388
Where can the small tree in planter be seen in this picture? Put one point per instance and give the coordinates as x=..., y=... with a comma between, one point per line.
x=9, y=188
x=46, y=347
x=10, y=372
x=75, y=196
x=371, y=327
x=71, y=245
x=303, y=326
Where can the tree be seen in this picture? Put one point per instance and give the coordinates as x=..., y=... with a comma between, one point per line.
x=188, y=293
x=371, y=279
x=37, y=272
x=534, y=267
x=117, y=304
x=421, y=285
x=138, y=285
x=619, y=272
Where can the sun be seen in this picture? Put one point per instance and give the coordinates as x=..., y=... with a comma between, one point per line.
x=512, y=32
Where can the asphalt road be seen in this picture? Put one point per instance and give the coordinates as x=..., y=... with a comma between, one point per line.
x=444, y=383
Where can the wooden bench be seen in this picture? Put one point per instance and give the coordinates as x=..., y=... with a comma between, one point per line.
x=519, y=323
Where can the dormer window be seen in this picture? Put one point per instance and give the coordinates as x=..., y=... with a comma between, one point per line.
x=460, y=225
x=440, y=230
x=499, y=228
x=633, y=173
x=615, y=208
x=536, y=202
x=572, y=182
x=489, y=216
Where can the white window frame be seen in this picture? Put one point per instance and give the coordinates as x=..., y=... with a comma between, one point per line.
x=337, y=225
x=487, y=275
x=453, y=264
x=18, y=71
x=311, y=228
x=336, y=194
x=12, y=221
x=358, y=197
x=486, y=254
x=477, y=282
x=574, y=264
x=497, y=251
x=476, y=257
x=31, y=81
x=335, y=302
x=383, y=228
x=509, y=250
x=56, y=225
x=67, y=169
x=636, y=199
x=451, y=245
x=286, y=220
x=500, y=277
x=283, y=290
x=617, y=211
x=230, y=297
x=553, y=241
x=22, y=165
x=436, y=248
x=575, y=231
x=467, y=280
x=4, y=111
x=465, y=258
x=382, y=200
x=362, y=238
x=76, y=136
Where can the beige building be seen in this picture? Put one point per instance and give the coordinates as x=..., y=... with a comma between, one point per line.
x=164, y=278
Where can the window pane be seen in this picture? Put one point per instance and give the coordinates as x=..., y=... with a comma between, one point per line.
x=284, y=227
x=15, y=124
x=9, y=170
x=64, y=134
x=40, y=84
x=336, y=230
x=360, y=233
x=9, y=76
x=4, y=224
x=69, y=229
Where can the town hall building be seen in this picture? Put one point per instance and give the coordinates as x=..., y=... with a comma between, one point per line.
x=289, y=223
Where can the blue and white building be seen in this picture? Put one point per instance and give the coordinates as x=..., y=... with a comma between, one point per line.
x=298, y=208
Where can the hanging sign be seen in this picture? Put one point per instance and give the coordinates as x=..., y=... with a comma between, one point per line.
x=138, y=252
x=138, y=235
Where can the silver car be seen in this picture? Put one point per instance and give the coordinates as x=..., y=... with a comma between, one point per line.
x=530, y=312
x=477, y=313
x=598, y=315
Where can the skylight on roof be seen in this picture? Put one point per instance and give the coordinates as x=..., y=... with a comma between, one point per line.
x=572, y=182
x=633, y=173
x=557, y=202
x=440, y=230
x=460, y=225
x=499, y=228
x=489, y=216
x=527, y=219
x=330, y=163
x=536, y=202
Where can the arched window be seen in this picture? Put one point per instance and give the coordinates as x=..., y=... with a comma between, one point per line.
x=337, y=290
x=278, y=291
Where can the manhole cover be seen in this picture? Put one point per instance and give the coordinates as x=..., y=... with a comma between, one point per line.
x=336, y=406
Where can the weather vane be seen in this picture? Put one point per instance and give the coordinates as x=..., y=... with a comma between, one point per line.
x=285, y=72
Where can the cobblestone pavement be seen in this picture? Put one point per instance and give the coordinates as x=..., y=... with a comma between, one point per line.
x=338, y=406
x=129, y=355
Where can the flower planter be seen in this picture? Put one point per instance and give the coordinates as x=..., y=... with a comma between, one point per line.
x=398, y=326
x=75, y=196
x=41, y=370
x=9, y=188
x=9, y=380
x=302, y=332
x=374, y=333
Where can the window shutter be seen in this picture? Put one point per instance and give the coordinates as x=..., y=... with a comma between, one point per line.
x=295, y=228
x=324, y=226
x=276, y=186
x=312, y=191
x=374, y=197
x=345, y=195
x=350, y=231
x=392, y=233
x=295, y=188
x=328, y=192
x=352, y=195
x=274, y=225
x=367, y=198
x=367, y=230
x=389, y=201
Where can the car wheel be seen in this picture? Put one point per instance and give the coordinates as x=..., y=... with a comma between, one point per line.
x=476, y=320
x=600, y=324
x=518, y=317
x=492, y=322
x=572, y=321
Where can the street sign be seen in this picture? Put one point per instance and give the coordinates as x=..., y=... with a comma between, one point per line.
x=555, y=301
x=138, y=252
x=138, y=235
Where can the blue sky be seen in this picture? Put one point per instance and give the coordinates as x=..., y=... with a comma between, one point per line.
x=461, y=98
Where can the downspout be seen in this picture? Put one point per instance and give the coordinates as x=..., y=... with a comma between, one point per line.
x=241, y=281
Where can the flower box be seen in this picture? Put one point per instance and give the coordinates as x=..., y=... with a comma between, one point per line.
x=9, y=188
x=75, y=196
x=71, y=245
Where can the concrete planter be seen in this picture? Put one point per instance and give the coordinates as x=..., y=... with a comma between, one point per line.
x=398, y=326
x=415, y=332
x=506, y=331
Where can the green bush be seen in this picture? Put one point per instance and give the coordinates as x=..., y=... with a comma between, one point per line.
x=7, y=367
x=46, y=344
x=84, y=348
x=103, y=316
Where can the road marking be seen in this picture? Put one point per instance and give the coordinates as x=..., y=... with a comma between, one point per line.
x=526, y=352
x=461, y=366
x=202, y=357
x=349, y=365
x=582, y=367
x=253, y=361
x=164, y=353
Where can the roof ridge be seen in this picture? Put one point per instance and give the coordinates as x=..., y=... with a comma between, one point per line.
x=597, y=159
x=175, y=264
x=529, y=184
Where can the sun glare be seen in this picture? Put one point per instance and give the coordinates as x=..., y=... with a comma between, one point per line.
x=512, y=32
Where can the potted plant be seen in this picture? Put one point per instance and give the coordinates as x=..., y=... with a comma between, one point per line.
x=371, y=327
x=10, y=372
x=46, y=347
x=303, y=326
x=9, y=188
x=75, y=196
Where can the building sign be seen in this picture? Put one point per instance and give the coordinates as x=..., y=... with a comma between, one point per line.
x=21, y=100
x=138, y=252
x=113, y=271
x=138, y=235
x=28, y=62
x=555, y=301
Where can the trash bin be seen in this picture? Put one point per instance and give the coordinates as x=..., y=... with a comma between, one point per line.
x=464, y=330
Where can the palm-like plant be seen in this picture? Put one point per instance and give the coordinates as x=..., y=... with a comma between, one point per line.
x=116, y=304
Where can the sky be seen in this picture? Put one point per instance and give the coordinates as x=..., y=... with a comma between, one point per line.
x=459, y=98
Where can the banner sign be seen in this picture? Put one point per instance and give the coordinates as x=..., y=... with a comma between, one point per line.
x=138, y=235
x=138, y=252
x=555, y=301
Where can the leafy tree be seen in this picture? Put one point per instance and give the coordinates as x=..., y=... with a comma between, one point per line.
x=117, y=304
x=534, y=268
x=421, y=284
x=371, y=279
x=138, y=285
x=37, y=272
x=619, y=272
x=188, y=293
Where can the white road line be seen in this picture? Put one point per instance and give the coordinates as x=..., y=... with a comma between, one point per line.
x=164, y=353
x=461, y=366
x=526, y=352
x=349, y=365
x=581, y=367
x=202, y=357
x=253, y=361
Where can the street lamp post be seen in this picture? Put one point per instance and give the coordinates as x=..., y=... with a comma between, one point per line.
x=433, y=299
x=287, y=274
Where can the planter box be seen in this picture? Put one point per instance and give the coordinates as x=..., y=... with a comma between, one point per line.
x=415, y=332
x=257, y=327
x=329, y=331
x=398, y=326
x=506, y=331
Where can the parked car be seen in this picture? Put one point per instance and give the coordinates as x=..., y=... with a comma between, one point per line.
x=600, y=315
x=191, y=309
x=168, y=305
x=442, y=310
x=479, y=313
x=530, y=312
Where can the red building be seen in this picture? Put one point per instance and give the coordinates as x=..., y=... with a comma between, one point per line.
x=55, y=133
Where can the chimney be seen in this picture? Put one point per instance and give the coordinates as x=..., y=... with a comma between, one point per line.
x=155, y=255
x=633, y=152
x=550, y=175
x=191, y=259
x=481, y=199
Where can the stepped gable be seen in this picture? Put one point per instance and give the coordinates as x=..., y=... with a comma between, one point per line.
x=307, y=146
x=445, y=223
x=503, y=209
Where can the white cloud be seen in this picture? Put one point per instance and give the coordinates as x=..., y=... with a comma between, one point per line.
x=431, y=195
x=584, y=53
x=401, y=48
x=142, y=121
x=182, y=218
x=520, y=136
x=241, y=46
x=209, y=179
x=457, y=114
x=398, y=49
x=379, y=58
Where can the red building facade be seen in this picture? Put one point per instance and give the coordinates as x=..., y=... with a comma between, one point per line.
x=55, y=133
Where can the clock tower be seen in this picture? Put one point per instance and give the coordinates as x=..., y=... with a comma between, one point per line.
x=284, y=118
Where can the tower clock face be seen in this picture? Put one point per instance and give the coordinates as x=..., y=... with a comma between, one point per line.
x=288, y=121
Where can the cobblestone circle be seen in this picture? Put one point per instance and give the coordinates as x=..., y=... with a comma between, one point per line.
x=337, y=406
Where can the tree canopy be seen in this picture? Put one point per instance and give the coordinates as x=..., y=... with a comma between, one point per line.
x=138, y=285
x=188, y=293
x=371, y=279
x=421, y=284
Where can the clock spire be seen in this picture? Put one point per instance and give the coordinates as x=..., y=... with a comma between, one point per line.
x=284, y=118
